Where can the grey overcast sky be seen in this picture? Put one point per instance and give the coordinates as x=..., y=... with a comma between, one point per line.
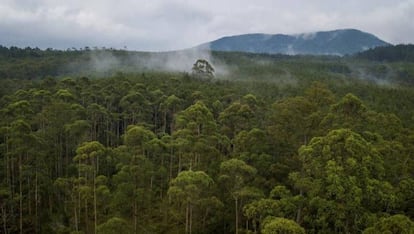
x=158, y=25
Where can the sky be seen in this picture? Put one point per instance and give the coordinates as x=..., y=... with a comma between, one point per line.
x=163, y=25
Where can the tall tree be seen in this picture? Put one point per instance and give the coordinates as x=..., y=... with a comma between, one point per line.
x=281, y=225
x=87, y=158
x=393, y=224
x=196, y=135
x=235, y=175
x=341, y=172
x=202, y=69
x=188, y=188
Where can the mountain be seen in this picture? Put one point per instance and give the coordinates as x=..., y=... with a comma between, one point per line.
x=336, y=42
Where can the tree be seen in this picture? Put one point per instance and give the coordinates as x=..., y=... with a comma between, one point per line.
x=318, y=94
x=196, y=134
x=114, y=225
x=134, y=106
x=258, y=210
x=396, y=224
x=292, y=122
x=137, y=139
x=341, y=173
x=134, y=177
x=88, y=155
x=350, y=112
x=280, y=203
x=22, y=142
x=188, y=188
x=281, y=226
x=235, y=175
x=238, y=116
x=203, y=70
x=170, y=106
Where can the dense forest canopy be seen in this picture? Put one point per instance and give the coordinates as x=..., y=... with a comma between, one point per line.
x=271, y=144
x=389, y=53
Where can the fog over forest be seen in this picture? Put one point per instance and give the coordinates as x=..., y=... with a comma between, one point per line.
x=206, y=117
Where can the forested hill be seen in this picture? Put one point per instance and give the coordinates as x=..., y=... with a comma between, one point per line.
x=33, y=63
x=336, y=42
x=271, y=144
x=389, y=53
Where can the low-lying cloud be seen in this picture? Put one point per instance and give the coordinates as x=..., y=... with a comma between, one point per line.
x=107, y=62
x=161, y=25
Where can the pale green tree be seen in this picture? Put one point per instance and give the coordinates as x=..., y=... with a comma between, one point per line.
x=396, y=224
x=274, y=225
x=235, y=176
x=188, y=189
x=342, y=179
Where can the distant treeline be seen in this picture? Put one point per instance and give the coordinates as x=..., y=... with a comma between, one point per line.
x=389, y=53
x=35, y=63
x=395, y=65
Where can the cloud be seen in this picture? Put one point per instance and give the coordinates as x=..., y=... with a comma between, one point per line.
x=159, y=25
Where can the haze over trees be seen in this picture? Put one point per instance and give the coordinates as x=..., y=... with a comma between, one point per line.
x=281, y=144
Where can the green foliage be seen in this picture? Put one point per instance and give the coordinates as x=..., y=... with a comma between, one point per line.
x=138, y=137
x=191, y=189
x=295, y=137
x=281, y=226
x=400, y=224
x=113, y=226
x=235, y=174
x=189, y=185
x=343, y=172
x=389, y=53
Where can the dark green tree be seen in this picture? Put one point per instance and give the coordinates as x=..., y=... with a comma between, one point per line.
x=202, y=69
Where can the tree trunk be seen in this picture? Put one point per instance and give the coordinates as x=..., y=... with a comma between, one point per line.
x=108, y=130
x=29, y=197
x=191, y=218
x=36, y=201
x=155, y=115
x=204, y=219
x=86, y=216
x=94, y=203
x=186, y=217
x=20, y=196
x=3, y=215
x=76, y=218
x=255, y=226
x=172, y=127
x=86, y=207
x=12, y=176
x=135, y=217
x=237, y=215
x=171, y=165
x=8, y=172
x=164, y=124
x=299, y=211
x=79, y=193
x=179, y=162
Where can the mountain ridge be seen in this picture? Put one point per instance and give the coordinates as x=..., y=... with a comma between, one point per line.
x=334, y=42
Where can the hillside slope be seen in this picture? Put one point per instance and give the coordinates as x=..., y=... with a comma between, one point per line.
x=337, y=42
